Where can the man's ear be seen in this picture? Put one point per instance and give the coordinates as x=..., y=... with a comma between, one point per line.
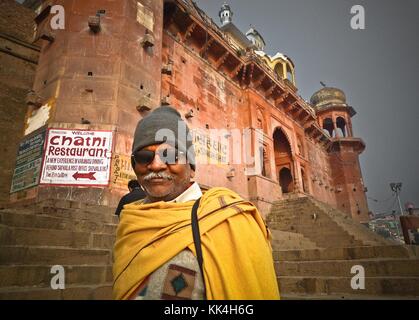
x=192, y=175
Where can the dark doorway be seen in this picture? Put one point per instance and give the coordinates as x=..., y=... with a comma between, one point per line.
x=285, y=180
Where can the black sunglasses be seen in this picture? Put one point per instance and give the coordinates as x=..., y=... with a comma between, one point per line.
x=166, y=155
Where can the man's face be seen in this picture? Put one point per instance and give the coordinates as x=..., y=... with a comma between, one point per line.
x=161, y=181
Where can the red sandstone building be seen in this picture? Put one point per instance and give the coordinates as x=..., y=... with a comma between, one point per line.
x=116, y=60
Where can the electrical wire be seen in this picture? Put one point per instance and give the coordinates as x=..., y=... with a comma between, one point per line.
x=390, y=207
x=375, y=200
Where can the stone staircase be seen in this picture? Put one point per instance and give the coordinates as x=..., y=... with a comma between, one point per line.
x=35, y=237
x=290, y=240
x=391, y=272
x=320, y=223
x=353, y=228
x=391, y=269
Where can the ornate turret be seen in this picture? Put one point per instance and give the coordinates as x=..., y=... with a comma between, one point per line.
x=333, y=112
x=281, y=65
x=225, y=14
x=334, y=116
x=254, y=36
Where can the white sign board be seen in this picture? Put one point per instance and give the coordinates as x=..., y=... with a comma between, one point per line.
x=77, y=157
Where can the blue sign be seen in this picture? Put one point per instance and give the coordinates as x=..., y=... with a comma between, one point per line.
x=28, y=163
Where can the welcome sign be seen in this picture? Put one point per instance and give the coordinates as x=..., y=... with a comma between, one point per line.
x=77, y=157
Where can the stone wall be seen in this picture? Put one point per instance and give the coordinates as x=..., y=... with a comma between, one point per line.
x=18, y=58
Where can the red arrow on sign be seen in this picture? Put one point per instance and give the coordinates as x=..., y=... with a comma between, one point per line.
x=88, y=175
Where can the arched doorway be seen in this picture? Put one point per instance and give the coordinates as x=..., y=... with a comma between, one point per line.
x=283, y=161
x=285, y=180
x=328, y=127
x=341, y=125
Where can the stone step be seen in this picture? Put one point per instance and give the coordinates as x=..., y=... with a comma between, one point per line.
x=71, y=292
x=342, y=268
x=103, y=241
x=24, y=255
x=303, y=218
x=62, y=204
x=282, y=240
x=381, y=286
x=99, y=215
x=40, y=275
x=44, y=221
x=44, y=237
x=350, y=253
x=314, y=229
x=14, y=219
x=333, y=240
x=284, y=235
x=292, y=200
x=306, y=225
x=291, y=245
x=55, y=238
x=293, y=212
x=323, y=234
x=328, y=225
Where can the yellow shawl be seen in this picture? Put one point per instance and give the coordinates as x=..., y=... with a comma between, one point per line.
x=235, y=245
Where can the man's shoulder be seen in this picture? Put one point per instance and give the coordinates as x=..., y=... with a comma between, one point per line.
x=139, y=192
x=222, y=196
x=220, y=191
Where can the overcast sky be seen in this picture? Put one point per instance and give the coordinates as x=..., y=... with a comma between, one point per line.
x=377, y=68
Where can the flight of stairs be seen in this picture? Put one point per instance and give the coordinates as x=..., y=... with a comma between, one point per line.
x=391, y=269
x=320, y=223
x=35, y=237
x=391, y=272
x=353, y=228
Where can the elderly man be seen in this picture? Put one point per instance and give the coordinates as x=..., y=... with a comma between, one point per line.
x=157, y=256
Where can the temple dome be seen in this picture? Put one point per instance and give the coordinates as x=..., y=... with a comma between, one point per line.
x=327, y=96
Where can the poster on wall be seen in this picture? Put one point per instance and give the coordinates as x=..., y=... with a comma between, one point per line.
x=39, y=117
x=122, y=171
x=28, y=162
x=77, y=157
x=210, y=149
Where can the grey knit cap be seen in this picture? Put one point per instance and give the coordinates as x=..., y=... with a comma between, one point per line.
x=164, y=124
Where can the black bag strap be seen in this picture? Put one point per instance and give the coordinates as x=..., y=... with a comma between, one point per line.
x=197, y=240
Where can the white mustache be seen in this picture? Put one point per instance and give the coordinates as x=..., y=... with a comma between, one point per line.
x=157, y=175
